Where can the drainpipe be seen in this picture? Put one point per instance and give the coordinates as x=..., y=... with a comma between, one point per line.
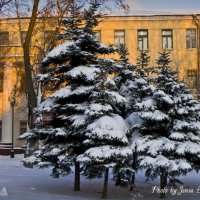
x=196, y=22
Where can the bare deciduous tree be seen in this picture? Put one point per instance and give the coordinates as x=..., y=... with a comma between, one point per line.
x=31, y=95
x=4, y=5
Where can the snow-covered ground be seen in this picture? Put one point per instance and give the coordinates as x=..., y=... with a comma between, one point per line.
x=17, y=183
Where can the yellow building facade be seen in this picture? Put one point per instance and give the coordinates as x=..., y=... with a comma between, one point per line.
x=178, y=34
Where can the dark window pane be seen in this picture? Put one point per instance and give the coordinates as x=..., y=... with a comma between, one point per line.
x=23, y=127
x=4, y=38
x=1, y=75
x=49, y=39
x=20, y=71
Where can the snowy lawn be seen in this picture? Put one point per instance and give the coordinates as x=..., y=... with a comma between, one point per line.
x=18, y=183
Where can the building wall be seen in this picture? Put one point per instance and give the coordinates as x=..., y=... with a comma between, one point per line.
x=12, y=54
x=183, y=58
x=11, y=59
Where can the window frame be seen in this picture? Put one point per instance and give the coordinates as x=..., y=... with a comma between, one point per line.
x=13, y=39
x=19, y=67
x=140, y=38
x=167, y=38
x=48, y=36
x=22, y=38
x=191, y=38
x=99, y=37
x=116, y=37
x=1, y=76
x=191, y=75
x=22, y=127
x=0, y=129
x=7, y=39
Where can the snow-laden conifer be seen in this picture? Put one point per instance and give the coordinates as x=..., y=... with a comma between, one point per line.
x=83, y=105
x=165, y=128
x=133, y=85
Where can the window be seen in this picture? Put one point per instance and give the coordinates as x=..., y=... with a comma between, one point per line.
x=18, y=64
x=23, y=36
x=1, y=75
x=14, y=38
x=0, y=130
x=167, y=39
x=97, y=35
x=23, y=127
x=19, y=67
x=49, y=39
x=119, y=37
x=192, y=78
x=4, y=38
x=143, y=39
x=48, y=35
x=190, y=38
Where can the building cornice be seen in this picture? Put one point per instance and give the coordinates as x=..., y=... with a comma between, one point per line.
x=136, y=17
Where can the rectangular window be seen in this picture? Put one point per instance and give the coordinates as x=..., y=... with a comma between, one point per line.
x=4, y=38
x=190, y=38
x=119, y=37
x=0, y=130
x=49, y=35
x=49, y=39
x=23, y=36
x=97, y=35
x=19, y=67
x=192, y=78
x=167, y=39
x=143, y=40
x=22, y=127
x=18, y=64
x=14, y=38
x=1, y=75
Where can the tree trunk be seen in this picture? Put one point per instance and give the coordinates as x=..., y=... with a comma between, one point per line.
x=132, y=182
x=77, y=177
x=105, y=186
x=163, y=183
x=162, y=195
x=134, y=165
x=31, y=95
x=165, y=179
x=30, y=92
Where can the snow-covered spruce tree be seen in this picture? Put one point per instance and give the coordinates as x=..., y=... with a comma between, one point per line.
x=143, y=63
x=133, y=85
x=106, y=130
x=167, y=136
x=83, y=110
x=125, y=77
x=56, y=148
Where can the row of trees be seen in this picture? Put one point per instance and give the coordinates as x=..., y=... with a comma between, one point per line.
x=41, y=10
x=96, y=123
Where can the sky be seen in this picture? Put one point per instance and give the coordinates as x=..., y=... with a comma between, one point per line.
x=164, y=4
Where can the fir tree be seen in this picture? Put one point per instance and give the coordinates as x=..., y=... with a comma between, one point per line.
x=133, y=85
x=85, y=120
x=143, y=63
x=167, y=135
x=125, y=77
